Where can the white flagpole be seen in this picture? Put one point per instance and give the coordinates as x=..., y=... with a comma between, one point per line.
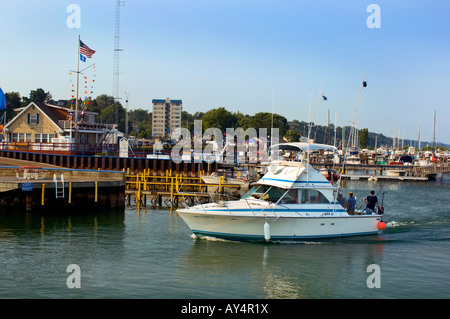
x=76, y=101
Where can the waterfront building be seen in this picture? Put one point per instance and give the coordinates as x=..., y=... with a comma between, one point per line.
x=166, y=116
x=48, y=123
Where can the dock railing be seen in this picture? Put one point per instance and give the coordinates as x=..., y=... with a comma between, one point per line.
x=172, y=188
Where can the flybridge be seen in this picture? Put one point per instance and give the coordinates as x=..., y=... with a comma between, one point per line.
x=286, y=175
x=304, y=147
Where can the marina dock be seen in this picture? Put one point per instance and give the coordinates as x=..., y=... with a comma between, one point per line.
x=175, y=190
x=29, y=186
x=383, y=177
x=393, y=172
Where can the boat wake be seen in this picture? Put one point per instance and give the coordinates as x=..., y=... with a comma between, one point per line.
x=392, y=224
x=210, y=238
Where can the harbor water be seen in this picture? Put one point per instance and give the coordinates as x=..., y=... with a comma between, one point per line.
x=151, y=253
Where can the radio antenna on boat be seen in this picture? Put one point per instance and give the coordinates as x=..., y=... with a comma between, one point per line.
x=310, y=127
x=274, y=151
x=363, y=85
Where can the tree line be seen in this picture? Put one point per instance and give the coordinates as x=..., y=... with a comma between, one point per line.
x=111, y=111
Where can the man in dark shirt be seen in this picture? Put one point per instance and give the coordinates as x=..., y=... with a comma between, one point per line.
x=370, y=201
x=351, y=204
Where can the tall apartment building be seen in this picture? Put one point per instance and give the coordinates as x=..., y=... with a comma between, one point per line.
x=166, y=117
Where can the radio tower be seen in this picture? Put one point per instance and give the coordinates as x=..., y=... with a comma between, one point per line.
x=117, y=51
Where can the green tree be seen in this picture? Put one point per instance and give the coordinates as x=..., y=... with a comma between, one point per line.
x=299, y=127
x=243, y=121
x=140, y=123
x=110, y=111
x=264, y=120
x=219, y=118
x=38, y=96
x=292, y=136
x=188, y=119
x=364, y=138
x=13, y=99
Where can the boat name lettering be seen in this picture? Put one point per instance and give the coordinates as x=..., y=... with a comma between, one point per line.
x=206, y=216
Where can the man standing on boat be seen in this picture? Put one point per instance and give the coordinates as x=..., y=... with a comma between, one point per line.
x=371, y=201
x=351, y=204
x=341, y=200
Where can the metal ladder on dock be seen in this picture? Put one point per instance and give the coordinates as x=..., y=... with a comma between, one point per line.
x=59, y=191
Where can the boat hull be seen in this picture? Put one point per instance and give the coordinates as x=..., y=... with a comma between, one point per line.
x=281, y=228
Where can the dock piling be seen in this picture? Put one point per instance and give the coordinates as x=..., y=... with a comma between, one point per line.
x=43, y=194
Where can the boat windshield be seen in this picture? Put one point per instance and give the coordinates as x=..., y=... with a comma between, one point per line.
x=272, y=194
x=291, y=196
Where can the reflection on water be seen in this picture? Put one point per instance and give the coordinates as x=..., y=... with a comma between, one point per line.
x=36, y=248
x=282, y=270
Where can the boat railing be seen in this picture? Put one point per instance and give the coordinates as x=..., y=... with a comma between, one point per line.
x=249, y=206
x=252, y=209
x=224, y=202
x=271, y=205
x=199, y=202
x=291, y=209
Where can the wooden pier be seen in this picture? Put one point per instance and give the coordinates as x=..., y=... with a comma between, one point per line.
x=175, y=190
x=41, y=188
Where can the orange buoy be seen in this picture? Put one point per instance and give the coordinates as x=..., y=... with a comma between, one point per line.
x=381, y=225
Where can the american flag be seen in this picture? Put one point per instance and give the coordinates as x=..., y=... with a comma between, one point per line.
x=84, y=49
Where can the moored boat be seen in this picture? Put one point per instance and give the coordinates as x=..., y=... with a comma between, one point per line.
x=214, y=178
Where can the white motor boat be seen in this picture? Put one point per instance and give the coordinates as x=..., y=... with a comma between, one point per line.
x=292, y=201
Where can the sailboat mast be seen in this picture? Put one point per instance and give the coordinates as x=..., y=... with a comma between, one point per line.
x=393, y=141
x=420, y=132
x=434, y=132
x=271, y=125
x=335, y=123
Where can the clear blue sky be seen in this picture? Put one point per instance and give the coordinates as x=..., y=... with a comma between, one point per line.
x=243, y=54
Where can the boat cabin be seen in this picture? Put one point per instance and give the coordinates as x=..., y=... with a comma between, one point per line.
x=290, y=196
x=294, y=182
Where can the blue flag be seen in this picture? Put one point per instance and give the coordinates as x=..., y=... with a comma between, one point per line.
x=2, y=100
x=82, y=58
